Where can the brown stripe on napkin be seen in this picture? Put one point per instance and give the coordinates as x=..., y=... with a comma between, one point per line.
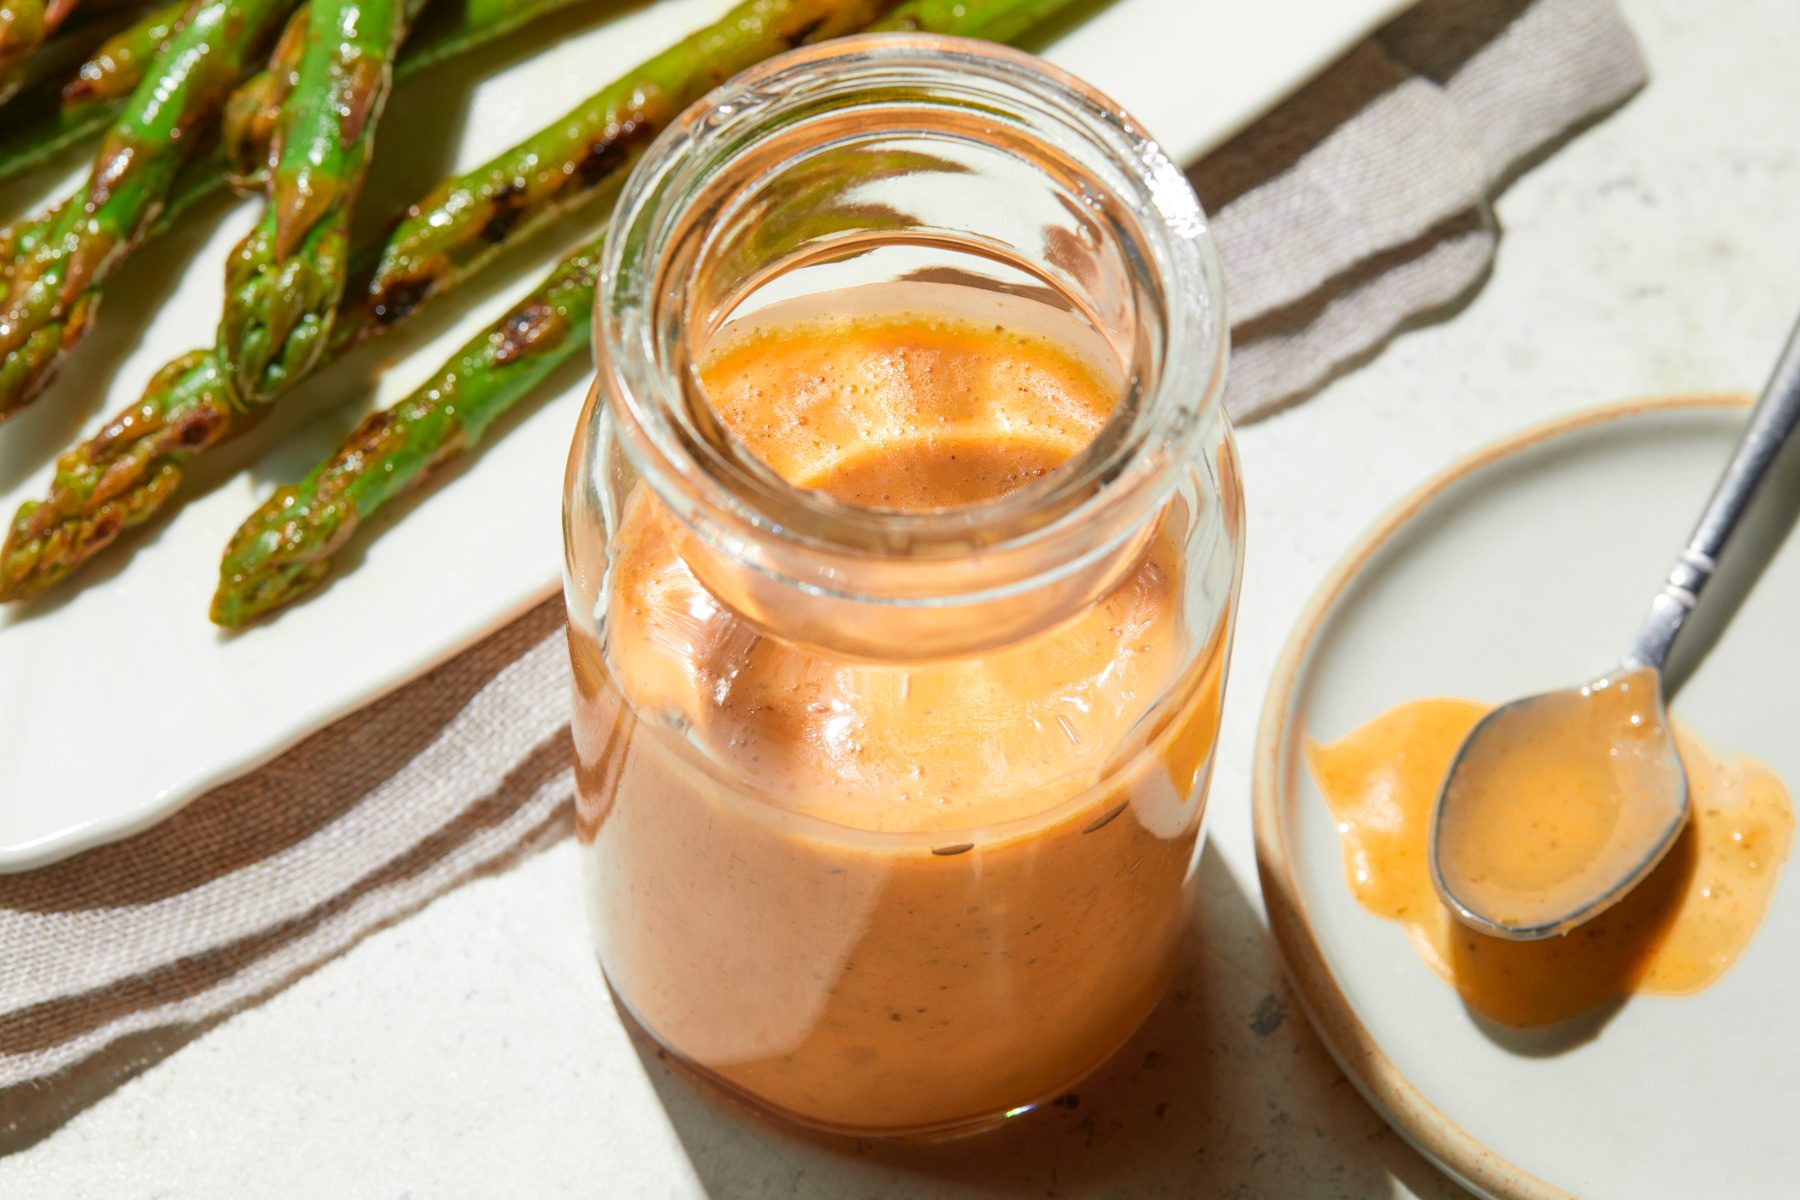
x=1354, y=208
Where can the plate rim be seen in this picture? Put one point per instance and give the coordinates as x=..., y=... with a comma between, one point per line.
x=1399, y=1101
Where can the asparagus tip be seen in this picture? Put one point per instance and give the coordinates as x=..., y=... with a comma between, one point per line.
x=281, y=551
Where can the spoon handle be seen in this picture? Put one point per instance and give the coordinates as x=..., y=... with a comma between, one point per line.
x=1771, y=421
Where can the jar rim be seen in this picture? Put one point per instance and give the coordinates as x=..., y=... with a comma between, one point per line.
x=1048, y=529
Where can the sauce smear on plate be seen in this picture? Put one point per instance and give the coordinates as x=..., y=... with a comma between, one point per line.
x=1675, y=933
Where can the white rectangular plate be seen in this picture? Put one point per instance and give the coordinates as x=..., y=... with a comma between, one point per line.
x=119, y=702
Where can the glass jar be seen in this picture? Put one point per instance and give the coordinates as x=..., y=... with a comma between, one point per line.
x=888, y=818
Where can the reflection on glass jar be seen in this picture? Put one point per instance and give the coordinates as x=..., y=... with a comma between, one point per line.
x=903, y=534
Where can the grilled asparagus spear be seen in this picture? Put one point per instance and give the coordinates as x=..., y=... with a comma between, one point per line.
x=286, y=546
x=250, y=117
x=248, y=131
x=465, y=220
x=118, y=477
x=117, y=66
x=284, y=280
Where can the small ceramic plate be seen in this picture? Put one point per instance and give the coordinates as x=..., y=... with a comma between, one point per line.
x=119, y=702
x=1526, y=567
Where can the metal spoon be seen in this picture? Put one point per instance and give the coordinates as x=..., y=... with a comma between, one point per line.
x=1651, y=783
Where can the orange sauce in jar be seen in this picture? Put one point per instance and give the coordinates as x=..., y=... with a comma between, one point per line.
x=892, y=896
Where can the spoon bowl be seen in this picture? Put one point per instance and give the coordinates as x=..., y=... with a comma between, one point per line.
x=1557, y=805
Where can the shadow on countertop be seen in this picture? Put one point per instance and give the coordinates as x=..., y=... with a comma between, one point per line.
x=1225, y=1092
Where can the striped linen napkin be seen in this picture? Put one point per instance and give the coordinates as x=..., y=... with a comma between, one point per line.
x=1357, y=206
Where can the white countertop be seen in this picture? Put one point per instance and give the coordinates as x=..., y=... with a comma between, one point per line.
x=471, y=1050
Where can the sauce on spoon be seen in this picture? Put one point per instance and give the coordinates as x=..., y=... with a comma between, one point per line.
x=1557, y=798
